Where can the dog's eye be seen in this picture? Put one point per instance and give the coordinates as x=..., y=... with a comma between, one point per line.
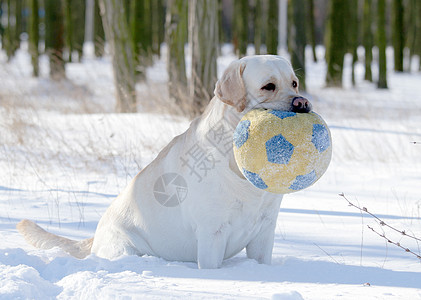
x=269, y=87
x=294, y=84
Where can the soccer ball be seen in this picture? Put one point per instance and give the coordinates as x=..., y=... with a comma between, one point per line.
x=280, y=151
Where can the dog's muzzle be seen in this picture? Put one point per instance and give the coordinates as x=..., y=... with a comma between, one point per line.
x=301, y=105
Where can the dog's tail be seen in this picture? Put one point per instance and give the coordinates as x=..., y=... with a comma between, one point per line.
x=42, y=239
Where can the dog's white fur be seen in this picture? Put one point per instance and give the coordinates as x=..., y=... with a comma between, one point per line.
x=223, y=213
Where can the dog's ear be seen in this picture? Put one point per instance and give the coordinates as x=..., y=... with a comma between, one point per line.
x=230, y=88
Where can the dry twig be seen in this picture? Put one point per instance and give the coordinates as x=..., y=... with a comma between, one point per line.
x=394, y=243
x=382, y=223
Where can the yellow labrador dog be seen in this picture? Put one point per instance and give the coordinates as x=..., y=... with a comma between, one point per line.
x=192, y=203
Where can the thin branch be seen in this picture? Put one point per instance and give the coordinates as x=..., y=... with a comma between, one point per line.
x=326, y=253
x=381, y=222
x=394, y=243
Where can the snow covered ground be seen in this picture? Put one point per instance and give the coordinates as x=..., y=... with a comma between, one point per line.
x=64, y=157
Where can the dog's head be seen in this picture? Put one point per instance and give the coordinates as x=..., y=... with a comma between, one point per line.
x=261, y=81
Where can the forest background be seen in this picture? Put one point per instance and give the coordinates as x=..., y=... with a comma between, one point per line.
x=135, y=30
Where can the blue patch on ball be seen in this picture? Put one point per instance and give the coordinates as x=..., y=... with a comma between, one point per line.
x=241, y=133
x=303, y=181
x=279, y=150
x=282, y=114
x=320, y=137
x=255, y=179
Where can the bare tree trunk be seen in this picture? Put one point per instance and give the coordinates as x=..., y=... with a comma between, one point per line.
x=157, y=25
x=1, y=23
x=418, y=33
x=241, y=7
x=98, y=32
x=9, y=42
x=272, y=28
x=368, y=38
x=54, y=38
x=118, y=36
x=18, y=22
x=398, y=34
x=176, y=38
x=258, y=26
x=146, y=25
x=297, y=40
x=68, y=24
x=410, y=26
x=203, y=39
x=353, y=30
x=78, y=17
x=34, y=36
x=381, y=42
x=137, y=16
x=335, y=45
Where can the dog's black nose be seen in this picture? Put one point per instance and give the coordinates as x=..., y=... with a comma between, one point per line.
x=301, y=105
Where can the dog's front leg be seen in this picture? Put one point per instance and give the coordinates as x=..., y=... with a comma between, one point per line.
x=211, y=247
x=260, y=248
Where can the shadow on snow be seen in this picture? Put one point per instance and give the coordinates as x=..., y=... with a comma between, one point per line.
x=286, y=269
